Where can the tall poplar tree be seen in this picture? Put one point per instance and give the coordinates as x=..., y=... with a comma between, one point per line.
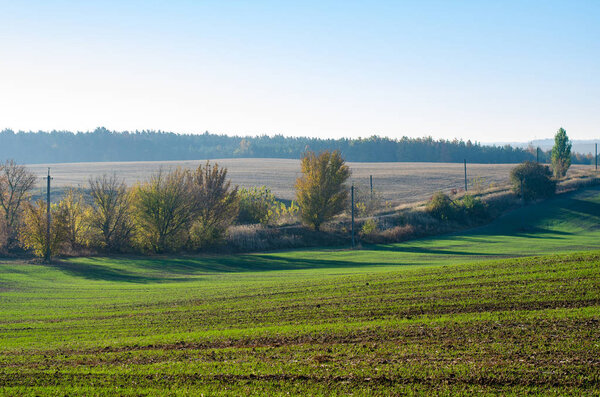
x=561, y=153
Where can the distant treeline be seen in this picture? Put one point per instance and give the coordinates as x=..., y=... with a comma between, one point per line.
x=105, y=145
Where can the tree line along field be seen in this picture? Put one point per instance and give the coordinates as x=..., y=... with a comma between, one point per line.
x=467, y=313
x=397, y=182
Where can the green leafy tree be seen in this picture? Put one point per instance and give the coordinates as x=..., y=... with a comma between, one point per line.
x=320, y=191
x=561, y=153
x=163, y=211
x=536, y=180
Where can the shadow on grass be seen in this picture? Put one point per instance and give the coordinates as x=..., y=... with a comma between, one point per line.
x=527, y=223
x=106, y=273
x=428, y=251
x=143, y=269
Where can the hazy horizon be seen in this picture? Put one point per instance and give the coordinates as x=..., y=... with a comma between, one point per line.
x=488, y=72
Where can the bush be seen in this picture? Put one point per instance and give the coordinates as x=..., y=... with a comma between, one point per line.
x=365, y=203
x=286, y=214
x=468, y=209
x=473, y=208
x=399, y=233
x=441, y=207
x=369, y=227
x=257, y=205
x=536, y=180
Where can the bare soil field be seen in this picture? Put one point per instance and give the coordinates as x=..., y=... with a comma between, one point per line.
x=397, y=182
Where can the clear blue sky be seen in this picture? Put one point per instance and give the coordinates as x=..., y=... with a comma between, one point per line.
x=481, y=70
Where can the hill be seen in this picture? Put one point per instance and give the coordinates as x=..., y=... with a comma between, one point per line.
x=450, y=315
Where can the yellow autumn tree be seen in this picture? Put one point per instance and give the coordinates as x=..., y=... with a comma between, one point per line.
x=320, y=191
x=74, y=214
x=33, y=233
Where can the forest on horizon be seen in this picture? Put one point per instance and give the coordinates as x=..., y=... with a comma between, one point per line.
x=105, y=145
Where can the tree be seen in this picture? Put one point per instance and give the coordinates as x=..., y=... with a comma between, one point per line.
x=3, y=235
x=74, y=214
x=16, y=182
x=561, y=153
x=33, y=234
x=163, y=209
x=214, y=203
x=536, y=180
x=110, y=218
x=320, y=191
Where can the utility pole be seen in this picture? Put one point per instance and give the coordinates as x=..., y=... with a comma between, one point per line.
x=371, y=180
x=49, y=218
x=522, y=192
x=537, y=155
x=465, y=175
x=352, y=194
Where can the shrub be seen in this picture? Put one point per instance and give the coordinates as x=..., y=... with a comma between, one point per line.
x=399, y=233
x=536, y=180
x=473, y=208
x=369, y=227
x=286, y=213
x=320, y=192
x=441, y=207
x=365, y=203
x=257, y=205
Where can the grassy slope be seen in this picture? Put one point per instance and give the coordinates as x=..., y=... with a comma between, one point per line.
x=342, y=321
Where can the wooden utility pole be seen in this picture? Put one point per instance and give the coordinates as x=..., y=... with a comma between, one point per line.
x=371, y=181
x=352, y=194
x=522, y=192
x=48, y=218
x=465, y=175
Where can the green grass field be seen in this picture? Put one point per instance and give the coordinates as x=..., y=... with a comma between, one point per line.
x=457, y=314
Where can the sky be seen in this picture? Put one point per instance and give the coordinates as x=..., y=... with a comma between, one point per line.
x=489, y=71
